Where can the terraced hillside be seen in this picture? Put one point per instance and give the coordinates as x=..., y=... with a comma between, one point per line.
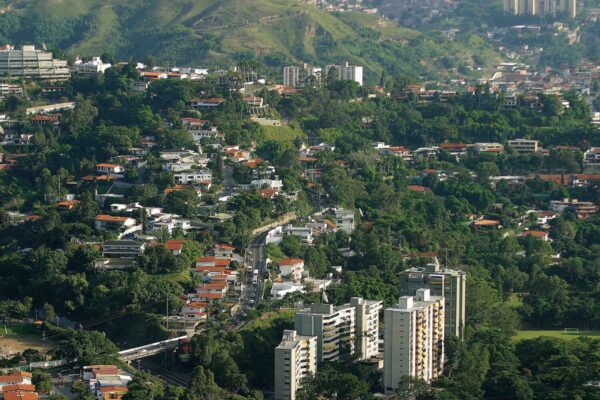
x=217, y=32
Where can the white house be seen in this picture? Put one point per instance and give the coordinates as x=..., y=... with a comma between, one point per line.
x=267, y=183
x=109, y=169
x=292, y=267
x=92, y=67
x=186, y=178
x=280, y=289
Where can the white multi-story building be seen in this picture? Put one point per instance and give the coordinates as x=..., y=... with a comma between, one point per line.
x=292, y=268
x=30, y=63
x=344, y=220
x=347, y=72
x=291, y=75
x=367, y=326
x=414, y=339
x=185, y=178
x=525, y=146
x=334, y=327
x=546, y=8
x=92, y=67
x=342, y=331
x=591, y=158
x=295, y=363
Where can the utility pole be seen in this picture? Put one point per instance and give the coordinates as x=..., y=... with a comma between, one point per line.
x=167, y=310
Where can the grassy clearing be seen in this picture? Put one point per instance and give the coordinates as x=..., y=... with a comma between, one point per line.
x=17, y=330
x=281, y=133
x=183, y=276
x=525, y=335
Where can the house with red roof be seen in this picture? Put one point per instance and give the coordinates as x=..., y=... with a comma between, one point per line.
x=543, y=235
x=109, y=169
x=112, y=392
x=224, y=250
x=291, y=269
x=15, y=378
x=207, y=103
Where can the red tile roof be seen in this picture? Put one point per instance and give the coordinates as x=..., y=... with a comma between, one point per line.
x=537, y=234
x=225, y=246
x=21, y=387
x=21, y=396
x=111, y=218
x=106, y=165
x=290, y=261
x=417, y=188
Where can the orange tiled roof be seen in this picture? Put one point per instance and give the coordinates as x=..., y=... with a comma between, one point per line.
x=417, y=188
x=111, y=218
x=537, y=234
x=290, y=261
x=20, y=387
x=18, y=395
x=107, y=165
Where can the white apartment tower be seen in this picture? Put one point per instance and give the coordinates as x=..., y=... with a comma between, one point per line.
x=342, y=331
x=414, y=339
x=543, y=8
x=334, y=327
x=295, y=362
x=367, y=326
x=347, y=72
x=291, y=76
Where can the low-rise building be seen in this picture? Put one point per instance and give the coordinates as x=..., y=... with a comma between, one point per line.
x=488, y=148
x=92, y=67
x=525, y=146
x=280, y=289
x=109, y=169
x=207, y=103
x=187, y=178
x=291, y=269
x=128, y=249
x=15, y=378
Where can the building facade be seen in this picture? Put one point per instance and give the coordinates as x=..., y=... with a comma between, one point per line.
x=333, y=326
x=342, y=331
x=31, y=63
x=367, y=326
x=448, y=283
x=525, y=146
x=347, y=72
x=291, y=76
x=295, y=362
x=414, y=339
x=543, y=8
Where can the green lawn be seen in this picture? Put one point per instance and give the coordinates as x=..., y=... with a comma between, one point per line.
x=183, y=276
x=16, y=330
x=524, y=335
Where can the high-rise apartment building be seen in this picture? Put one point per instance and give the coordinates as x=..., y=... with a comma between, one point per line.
x=347, y=72
x=447, y=283
x=295, y=362
x=291, y=76
x=334, y=327
x=543, y=8
x=341, y=331
x=367, y=326
x=30, y=63
x=414, y=339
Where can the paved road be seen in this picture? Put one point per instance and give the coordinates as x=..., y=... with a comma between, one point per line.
x=228, y=181
x=256, y=259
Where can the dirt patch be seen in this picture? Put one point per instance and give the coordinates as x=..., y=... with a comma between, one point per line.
x=16, y=344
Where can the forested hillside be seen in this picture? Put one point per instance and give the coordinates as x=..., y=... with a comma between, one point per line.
x=220, y=32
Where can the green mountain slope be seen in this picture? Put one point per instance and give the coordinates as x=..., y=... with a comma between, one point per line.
x=218, y=32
